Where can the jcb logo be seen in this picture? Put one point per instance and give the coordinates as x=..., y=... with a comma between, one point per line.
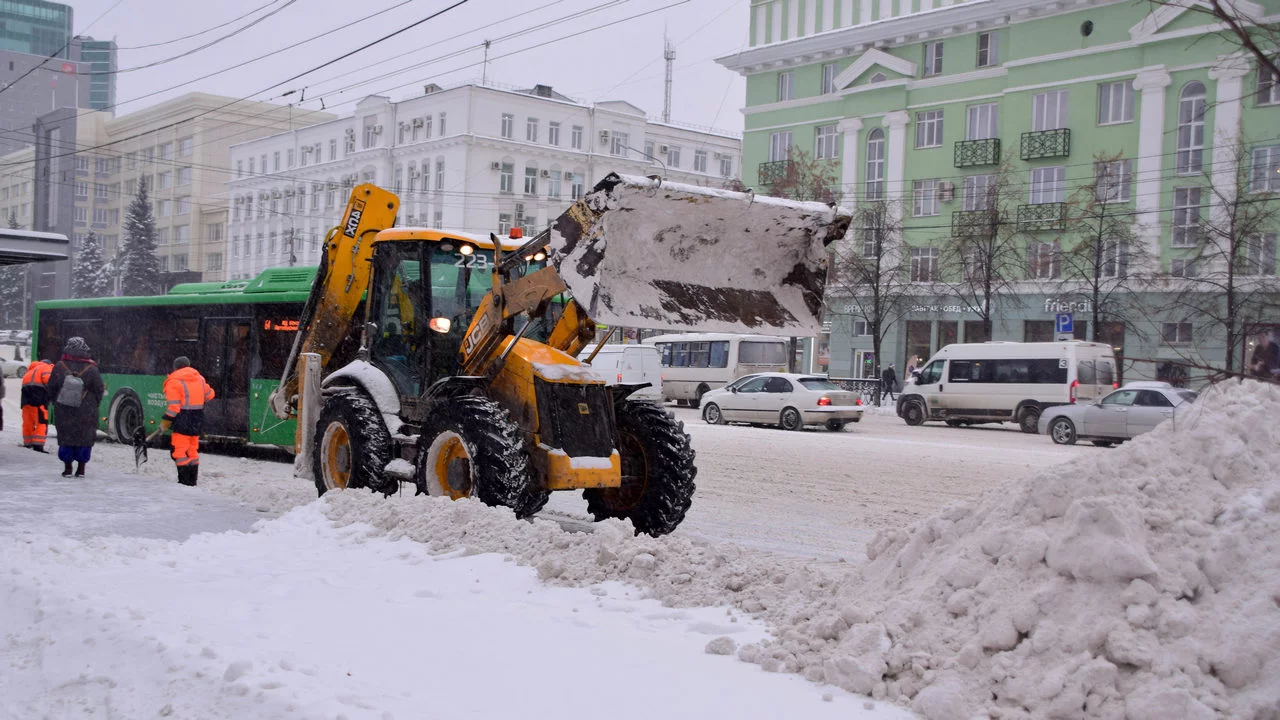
x=472, y=340
x=353, y=220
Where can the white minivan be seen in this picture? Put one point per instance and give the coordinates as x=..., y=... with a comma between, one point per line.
x=629, y=365
x=968, y=383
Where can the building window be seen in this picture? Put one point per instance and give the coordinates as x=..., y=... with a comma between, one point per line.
x=1182, y=267
x=1268, y=87
x=275, y=161
x=928, y=129
x=182, y=206
x=1258, y=255
x=82, y=190
x=333, y=154
x=184, y=176
x=1115, y=102
x=1047, y=185
x=1264, y=170
x=933, y=58
x=290, y=157
x=875, y=164
x=983, y=121
x=578, y=187
x=1112, y=180
x=553, y=184
x=164, y=180
x=182, y=233
x=506, y=178
x=784, y=86
x=162, y=235
x=673, y=156
x=99, y=191
x=213, y=262
x=1191, y=129
x=621, y=144
x=413, y=177
x=1049, y=111
x=877, y=78
x=369, y=137
x=315, y=197
x=439, y=175
x=977, y=191
x=163, y=208
x=1044, y=261
x=553, y=134
x=1186, y=217
x=924, y=198
x=166, y=151
x=726, y=166
x=443, y=117
x=531, y=181
x=508, y=125
x=1176, y=333
x=423, y=126
x=99, y=216
x=531, y=130
x=239, y=168
x=779, y=146
x=829, y=73
x=924, y=264
x=872, y=236
x=504, y=224
x=988, y=49
x=131, y=160
x=575, y=137
x=700, y=161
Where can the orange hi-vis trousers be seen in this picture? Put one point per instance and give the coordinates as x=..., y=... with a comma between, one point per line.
x=186, y=449
x=35, y=425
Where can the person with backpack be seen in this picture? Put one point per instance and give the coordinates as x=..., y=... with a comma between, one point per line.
x=35, y=404
x=186, y=392
x=888, y=381
x=76, y=390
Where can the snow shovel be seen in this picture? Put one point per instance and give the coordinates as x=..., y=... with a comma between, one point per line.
x=140, y=440
x=644, y=252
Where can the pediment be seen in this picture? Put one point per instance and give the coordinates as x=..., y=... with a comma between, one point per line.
x=1164, y=17
x=874, y=58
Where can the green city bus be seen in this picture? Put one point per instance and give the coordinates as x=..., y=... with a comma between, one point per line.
x=237, y=334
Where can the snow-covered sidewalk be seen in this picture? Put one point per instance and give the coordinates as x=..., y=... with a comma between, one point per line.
x=128, y=596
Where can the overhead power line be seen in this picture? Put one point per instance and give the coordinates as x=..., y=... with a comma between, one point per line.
x=205, y=31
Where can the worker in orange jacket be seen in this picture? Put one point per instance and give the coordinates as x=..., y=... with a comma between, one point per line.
x=35, y=405
x=186, y=392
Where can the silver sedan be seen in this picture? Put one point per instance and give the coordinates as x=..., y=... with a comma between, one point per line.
x=1124, y=414
x=790, y=401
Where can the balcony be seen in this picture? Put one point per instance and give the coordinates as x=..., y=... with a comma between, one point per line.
x=974, y=153
x=1046, y=144
x=971, y=223
x=772, y=172
x=1045, y=216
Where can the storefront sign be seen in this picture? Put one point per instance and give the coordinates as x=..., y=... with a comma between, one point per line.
x=945, y=309
x=1067, y=306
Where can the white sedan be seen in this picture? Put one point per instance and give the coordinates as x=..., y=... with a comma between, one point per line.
x=1124, y=414
x=789, y=401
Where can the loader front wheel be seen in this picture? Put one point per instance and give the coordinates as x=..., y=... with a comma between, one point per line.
x=473, y=449
x=353, y=446
x=657, y=472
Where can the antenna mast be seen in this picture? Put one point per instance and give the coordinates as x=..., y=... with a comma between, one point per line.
x=669, y=54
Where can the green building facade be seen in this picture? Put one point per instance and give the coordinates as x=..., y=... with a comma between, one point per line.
x=920, y=105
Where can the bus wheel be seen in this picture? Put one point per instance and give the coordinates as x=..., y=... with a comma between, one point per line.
x=474, y=449
x=657, y=472
x=353, y=446
x=126, y=418
x=1029, y=420
x=697, y=399
x=913, y=413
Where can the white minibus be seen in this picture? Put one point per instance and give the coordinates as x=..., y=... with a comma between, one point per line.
x=694, y=363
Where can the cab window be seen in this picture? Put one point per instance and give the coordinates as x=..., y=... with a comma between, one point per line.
x=932, y=372
x=399, y=309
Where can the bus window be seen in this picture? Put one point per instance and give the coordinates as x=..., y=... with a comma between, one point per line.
x=665, y=350
x=1087, y=372
x=720, y=354
x=762, y=353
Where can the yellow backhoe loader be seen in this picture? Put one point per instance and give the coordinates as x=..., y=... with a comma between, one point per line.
x=449, y=360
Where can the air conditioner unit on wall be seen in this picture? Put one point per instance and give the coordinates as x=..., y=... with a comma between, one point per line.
x=545, y=173
x=417, y=122
x=495, y=165
x=663, y=149
x=568, y=175
x=604, y=137
x=377, y=129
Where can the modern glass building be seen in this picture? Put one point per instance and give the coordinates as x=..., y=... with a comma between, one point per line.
x=35, y=27
x=100, y=56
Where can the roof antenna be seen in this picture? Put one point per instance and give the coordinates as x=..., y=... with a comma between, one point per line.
x=484, y=68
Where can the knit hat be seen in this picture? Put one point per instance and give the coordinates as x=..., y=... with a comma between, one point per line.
x=180, y=362
x=76, y=347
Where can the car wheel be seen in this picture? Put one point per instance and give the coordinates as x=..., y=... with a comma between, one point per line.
x=1103, y=443
x=790, y=419
x=1063, y=431
x=1029, y=421
x=835, y=425
x=711, y=414
x=913, y=413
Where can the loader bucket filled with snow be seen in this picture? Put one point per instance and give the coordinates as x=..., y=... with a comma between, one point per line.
x=642, y=252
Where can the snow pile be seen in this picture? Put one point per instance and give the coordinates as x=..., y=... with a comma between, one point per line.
x=1142, y=583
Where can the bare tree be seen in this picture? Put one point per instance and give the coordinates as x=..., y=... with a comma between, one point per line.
x=982, y=260
x=1240, y=26
x=1103, y=263
x=1229, y=279
x=867, y=275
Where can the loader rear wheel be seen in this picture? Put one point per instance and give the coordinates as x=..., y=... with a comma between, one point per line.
x=657, y=472
x=353, y=446
x=473, y=449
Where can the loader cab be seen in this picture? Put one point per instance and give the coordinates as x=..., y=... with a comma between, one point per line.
x=425, y=288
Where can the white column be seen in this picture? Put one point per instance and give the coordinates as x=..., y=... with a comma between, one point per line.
x=1151, y=83
x=810, y=17
x=828, y=15
x=1229, y=74
x=849, y=127
x=895, y=163
x=793, y=19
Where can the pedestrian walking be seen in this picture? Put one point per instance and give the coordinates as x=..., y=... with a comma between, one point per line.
x=889, y=380
x=35, y=404
x=76, y=390
x=186, y=392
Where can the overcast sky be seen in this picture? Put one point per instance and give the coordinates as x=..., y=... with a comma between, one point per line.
x=621, y=61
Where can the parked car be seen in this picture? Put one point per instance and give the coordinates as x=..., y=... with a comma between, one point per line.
x=12, y=368
x=1124, y=414
x=626, y=364
x=790, y=401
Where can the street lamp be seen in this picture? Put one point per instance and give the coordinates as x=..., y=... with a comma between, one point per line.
x=664, y=165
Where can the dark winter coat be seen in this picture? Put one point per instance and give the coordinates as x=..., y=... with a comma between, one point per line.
x=889, y=379
x=77, y=427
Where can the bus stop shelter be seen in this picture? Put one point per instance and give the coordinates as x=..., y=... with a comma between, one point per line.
x=19, y=247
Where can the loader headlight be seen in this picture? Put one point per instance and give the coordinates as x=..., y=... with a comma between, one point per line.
x=466, y=249
x=440, y=324
x=539, y=256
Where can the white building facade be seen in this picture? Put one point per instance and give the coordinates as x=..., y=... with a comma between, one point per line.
x=471, y=158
